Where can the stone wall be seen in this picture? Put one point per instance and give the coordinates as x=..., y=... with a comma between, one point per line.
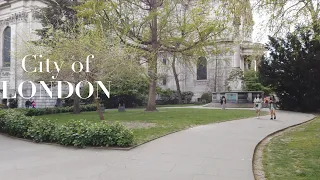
x=41, y=97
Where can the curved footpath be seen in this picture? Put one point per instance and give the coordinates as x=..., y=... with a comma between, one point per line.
x=220, y=151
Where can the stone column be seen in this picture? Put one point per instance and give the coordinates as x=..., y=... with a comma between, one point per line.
x=246, y=66
x=250, y=97
x=236, y=84
x=13, y=57
x=255, y=65
x=236, y=56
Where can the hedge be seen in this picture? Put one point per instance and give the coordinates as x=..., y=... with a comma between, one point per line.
x=55, y=110
x=80, y=133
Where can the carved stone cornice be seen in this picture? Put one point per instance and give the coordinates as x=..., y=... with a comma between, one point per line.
x=4, y=72
x=14, y=18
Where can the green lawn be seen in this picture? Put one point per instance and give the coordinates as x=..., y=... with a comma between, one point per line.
x=179, y=105
x=170, y=105
x=294, y=155
x=164, y=121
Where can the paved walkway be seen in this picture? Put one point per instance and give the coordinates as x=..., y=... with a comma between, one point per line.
x=220, y=151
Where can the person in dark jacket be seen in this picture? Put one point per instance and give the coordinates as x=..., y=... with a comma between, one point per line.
x=223, y=102
x=28, y=103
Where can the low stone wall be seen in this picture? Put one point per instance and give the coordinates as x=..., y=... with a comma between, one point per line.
x=234, y=105
x=240, y=97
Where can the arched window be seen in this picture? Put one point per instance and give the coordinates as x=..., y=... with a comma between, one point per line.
x=6, y=48
x=202, y=68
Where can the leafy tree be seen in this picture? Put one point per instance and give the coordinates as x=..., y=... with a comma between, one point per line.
x=146, y=26
x=293, y=70
x=252, y=82
x=109, y=62
x=181, y=26
x=131, y=88
x=57, y=15
x=168, y=96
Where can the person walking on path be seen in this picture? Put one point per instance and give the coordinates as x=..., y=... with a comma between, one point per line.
x=223, y=102
x=275, y=101
x=257, y=105
x=272, y=108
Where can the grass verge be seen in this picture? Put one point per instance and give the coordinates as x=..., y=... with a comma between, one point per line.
x=150, y=125
x=295, y=154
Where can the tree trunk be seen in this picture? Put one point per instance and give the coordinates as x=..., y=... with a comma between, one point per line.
x=76, y=99
x=76, y=104
x=315, y=24
x=96, y=100
x=151, y=106
x=176, y=78
x=98, y=107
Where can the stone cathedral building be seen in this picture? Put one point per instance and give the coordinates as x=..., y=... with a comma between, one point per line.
x=211, y=73
x=18, y=24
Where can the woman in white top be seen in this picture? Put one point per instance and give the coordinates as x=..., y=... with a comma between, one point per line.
x=257, y=105
x=223, y=102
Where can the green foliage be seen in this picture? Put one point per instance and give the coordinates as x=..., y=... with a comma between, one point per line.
x=252, y=82
x=130, y=84
x=73, y=133
x=58, y=15
x=13, y=103
x=15, y=123
x=132, y=88
x=42, y=130
x=187, y=96
x=78, y=133
x=56, y=110
x=121, y=136
x=82, y=133
x=168, y=96
x=163, y=26
x=2, y=120
x=293, y=70
x=207, y=97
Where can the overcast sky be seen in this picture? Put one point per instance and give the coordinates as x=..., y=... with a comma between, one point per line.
x=260, y=33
